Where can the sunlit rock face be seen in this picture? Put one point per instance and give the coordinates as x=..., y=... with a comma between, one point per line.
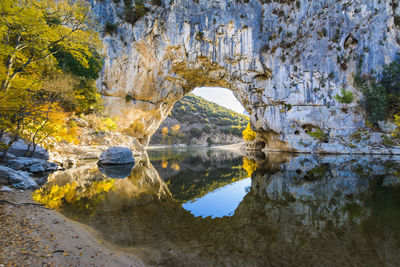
x=284, y=62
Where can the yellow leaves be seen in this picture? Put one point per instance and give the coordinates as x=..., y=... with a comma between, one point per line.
x=104, y=124
x=396, y=132
x=248, y=133
x=249, y=165
x=175, y=128
x=175, y=167
x=164, y=164
x=51, y=122
x=30, y=30
x=164, y=131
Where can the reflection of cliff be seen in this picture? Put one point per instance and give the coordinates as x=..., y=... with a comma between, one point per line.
x=306, y=211
x=199, y=172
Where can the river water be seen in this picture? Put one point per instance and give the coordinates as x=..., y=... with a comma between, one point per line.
x=207, y=207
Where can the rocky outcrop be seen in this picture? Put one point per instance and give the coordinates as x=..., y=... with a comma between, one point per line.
x=285, y=61
x=92, y=144
x=116, y=156
x=32, y=165
x=20, y=148
x=18, y=179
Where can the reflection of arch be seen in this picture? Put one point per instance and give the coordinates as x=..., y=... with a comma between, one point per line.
x=279, y=222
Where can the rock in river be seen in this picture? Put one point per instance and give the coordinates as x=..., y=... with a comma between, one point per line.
x=116, y=156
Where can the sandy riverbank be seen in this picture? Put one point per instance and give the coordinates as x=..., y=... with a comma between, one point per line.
x=31, y=235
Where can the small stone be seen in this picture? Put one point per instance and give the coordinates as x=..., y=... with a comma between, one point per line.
x=5, y=188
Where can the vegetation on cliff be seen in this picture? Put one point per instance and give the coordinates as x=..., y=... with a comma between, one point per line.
x=382, y=94
x=49, y=60
x=194, y=117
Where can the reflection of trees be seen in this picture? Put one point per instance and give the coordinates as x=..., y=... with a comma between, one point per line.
x=71, y=194
x=301, y=211
x=250, y=165
x=192, y=176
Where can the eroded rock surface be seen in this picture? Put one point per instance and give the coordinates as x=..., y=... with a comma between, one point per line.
x=285, y=62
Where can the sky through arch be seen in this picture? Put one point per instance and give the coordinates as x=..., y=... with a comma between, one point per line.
x=220, y=96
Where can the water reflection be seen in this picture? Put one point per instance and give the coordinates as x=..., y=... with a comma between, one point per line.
x=200, y=171
x=221, y=202
x=305, y=210
x=116, y=171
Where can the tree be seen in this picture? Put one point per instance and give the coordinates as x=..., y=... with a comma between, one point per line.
x=164, y=132
x=31, y=34
x=175, y=128
x=31, y=31
x=248, y=133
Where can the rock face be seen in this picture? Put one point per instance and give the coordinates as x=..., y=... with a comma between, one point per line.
x=285, y=62
x=18, y=179
x=116, y=156
x=91, y=144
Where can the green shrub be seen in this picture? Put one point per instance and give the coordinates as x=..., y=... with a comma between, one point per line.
x=85, y=96
x=381, y=96
x=199, y=36
x=156, y=2
x=133, y=13
x=318, y=134
x=376, y=102
x=110, y=28
x=397, y=20
x=347, y=97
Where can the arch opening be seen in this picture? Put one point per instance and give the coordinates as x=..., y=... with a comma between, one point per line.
x=207, y=116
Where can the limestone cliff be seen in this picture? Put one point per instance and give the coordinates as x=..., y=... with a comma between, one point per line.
x=284, y=60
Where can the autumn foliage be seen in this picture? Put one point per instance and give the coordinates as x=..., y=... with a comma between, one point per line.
x=42, y=44
x=248, y=133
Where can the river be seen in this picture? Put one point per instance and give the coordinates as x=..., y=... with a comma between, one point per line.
x=210, y=207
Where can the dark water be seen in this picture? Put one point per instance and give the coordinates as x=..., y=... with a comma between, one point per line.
x=215, y=208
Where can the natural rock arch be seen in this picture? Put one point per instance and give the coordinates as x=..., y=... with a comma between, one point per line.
x=283, y=61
